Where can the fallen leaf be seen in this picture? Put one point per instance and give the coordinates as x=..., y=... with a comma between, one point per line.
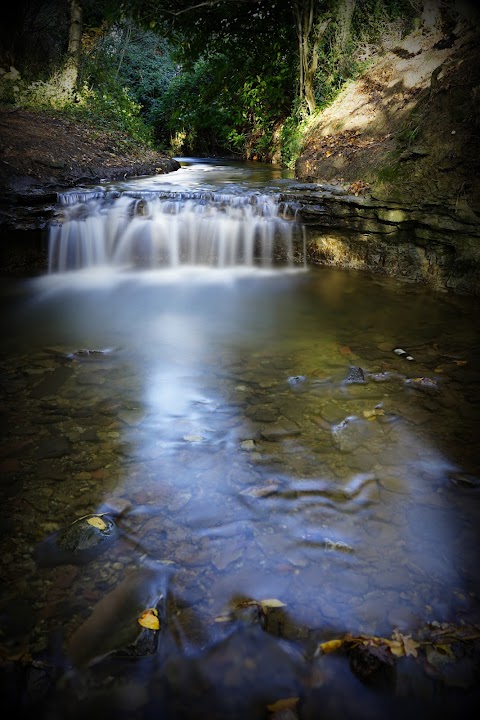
x=411, y=646
x=272, y=603
x=396, y=647
x=286, y=704
x=408, y=645
x=149, y=619
x=97, y=522
x=329, y=646
x=372, y=414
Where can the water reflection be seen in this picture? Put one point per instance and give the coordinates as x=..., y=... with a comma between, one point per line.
x=330, y=489
x=242, y=465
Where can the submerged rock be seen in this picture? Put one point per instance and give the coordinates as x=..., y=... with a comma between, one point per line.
x=424, y=384
x=349, y=434
x=113, y=628
x=374, y=666
x=296, y=379
x=77, y=543
x=464, y=480
x=356, y=375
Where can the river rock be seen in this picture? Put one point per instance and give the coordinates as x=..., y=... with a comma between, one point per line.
x=424, y=384
x=349, y=434
x=113, y=627
x=77, y=543
x=280, y=430
x=356, y=375
x=374, y=666
x=296, y=379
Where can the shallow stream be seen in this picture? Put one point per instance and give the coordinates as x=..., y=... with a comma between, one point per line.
x=214, y=414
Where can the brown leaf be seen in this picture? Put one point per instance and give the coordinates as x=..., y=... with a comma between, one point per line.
x=285, y=704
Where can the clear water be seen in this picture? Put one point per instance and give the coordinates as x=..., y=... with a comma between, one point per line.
x=218, y=417
x=201, y=216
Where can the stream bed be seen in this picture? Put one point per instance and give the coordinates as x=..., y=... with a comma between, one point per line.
x=289, y=456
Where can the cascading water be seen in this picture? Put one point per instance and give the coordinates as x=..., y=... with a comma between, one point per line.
x=152, y=229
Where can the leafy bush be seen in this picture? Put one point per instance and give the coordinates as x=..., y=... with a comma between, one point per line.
x=291, y=137
x=112, y=106
x=10, y=85
x=222, y=109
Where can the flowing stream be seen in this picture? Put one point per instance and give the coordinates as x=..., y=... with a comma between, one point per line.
x=174, y=225
x=279, y=473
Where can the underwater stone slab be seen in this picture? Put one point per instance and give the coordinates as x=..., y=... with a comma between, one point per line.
x=277, y=431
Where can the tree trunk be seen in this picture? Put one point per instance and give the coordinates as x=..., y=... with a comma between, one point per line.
x=126, y=39
x=344, y=23
x=309, y=33
x=71, y=69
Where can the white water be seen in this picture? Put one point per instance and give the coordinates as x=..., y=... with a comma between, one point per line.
x=164, y=225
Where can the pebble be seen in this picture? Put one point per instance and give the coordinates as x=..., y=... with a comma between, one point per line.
x=248, y=445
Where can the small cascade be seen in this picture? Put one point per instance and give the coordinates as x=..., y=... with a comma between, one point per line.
x=160, y=229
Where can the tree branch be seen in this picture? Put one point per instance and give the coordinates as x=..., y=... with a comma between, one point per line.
x=210, y=3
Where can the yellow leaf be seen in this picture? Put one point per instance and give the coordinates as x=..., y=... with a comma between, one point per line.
x=372, y=414
x=272, y=602
x=396, y=647
x=328, y=153
x=401, y=645
x=97, y=522
x=410, y=645
x=149, y=619
x=286, y=704
x=329, y=646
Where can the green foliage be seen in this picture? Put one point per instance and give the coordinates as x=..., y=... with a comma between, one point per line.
x=221, y=108
x=112, y=107
x=139, y=60
x=338, y=65
x=225, y=81
x=10, y=85
x=105, y=104
x=376, y=19
x=236, y=74
x=291, y=137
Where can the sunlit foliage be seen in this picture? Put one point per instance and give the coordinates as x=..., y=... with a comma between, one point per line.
x=222, y=77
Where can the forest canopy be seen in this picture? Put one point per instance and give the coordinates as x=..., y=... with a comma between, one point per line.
x=219, y=77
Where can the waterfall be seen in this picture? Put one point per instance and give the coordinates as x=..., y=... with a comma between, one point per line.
x=152, y=229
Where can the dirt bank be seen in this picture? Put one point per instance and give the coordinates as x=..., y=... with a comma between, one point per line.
x=42, y=153
x=407, y=130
